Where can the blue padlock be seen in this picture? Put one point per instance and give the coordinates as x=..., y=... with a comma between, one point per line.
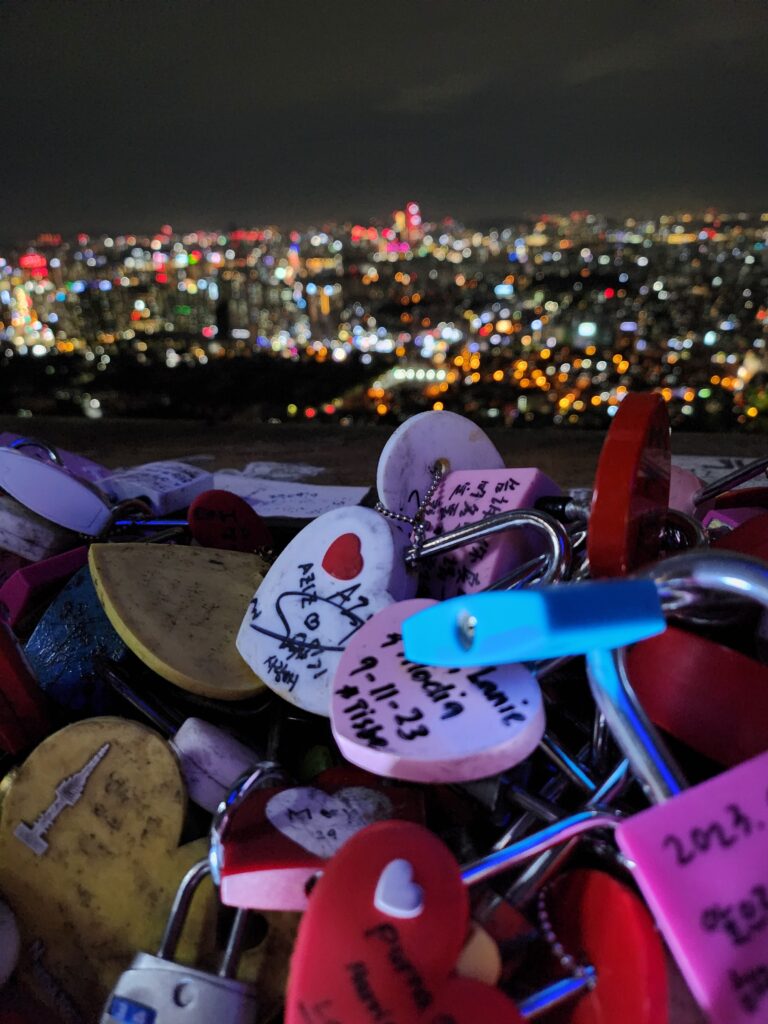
x=527, y=625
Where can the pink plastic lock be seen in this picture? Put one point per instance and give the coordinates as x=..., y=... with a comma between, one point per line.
x=408, y=721
x=702, y=865
x=467, y=496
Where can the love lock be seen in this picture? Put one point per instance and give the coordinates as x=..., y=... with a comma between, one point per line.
x=393, y=952
x=722, y=835
x=156, y=990
x=178, y=609
x=271, y=838
x=339, y=571
x=75, y=503
x=61, y=650
x=455, y=482
x=31, y=588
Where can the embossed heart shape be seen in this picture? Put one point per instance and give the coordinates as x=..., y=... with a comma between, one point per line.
x=323, y=822
x=90, y=863
x=352, y=962
x=408, y=721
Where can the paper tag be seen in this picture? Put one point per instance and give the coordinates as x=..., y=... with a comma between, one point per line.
x=277, y=471
x=709, y=468
x=332, y=577
x=167, y=486
x=275, y=499
x=405, y=467
x=408, y=721
x=467, y=496
x=702, y=865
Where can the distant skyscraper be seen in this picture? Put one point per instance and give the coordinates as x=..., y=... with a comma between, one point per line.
x=413, y=228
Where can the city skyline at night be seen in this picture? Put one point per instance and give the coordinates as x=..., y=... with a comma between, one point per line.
x=551, y=320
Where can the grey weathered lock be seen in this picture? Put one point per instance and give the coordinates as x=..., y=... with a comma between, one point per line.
x=156, y=990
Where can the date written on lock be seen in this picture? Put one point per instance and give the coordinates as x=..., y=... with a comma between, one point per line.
x=702, y=864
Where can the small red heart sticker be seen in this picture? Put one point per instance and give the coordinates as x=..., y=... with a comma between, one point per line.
x=385, y=925
x=343, y=559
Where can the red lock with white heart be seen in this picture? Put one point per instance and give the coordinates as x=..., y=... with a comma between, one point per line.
x=279, y=838
x=385, y=925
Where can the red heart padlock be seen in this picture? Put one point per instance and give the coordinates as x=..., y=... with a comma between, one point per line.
x=385, y=925
x=280, y=837
x=709, y=696
x=601, y=922
x=221, y=519
x=631, y=494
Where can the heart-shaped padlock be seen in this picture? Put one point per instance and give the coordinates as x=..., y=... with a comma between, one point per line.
x=385, y=925
x=280, y=837
x=178, y=609
x=336, y=573
x=411, y=721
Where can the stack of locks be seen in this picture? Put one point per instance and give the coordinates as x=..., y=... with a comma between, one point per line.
x=474, y=750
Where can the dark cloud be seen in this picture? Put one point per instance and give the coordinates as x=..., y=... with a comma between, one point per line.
x=126, y=113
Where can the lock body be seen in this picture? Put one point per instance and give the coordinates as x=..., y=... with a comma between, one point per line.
x=157, y=991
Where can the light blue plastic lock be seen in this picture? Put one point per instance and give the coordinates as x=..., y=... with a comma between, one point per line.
x=526, y=625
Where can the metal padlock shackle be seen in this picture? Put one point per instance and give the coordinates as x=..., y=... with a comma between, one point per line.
x=559, y=556
x=182, y=901
x=265, y=774
x=676, y=525
x=721, y=572
x=656, y=770
x=35, y=442
x=560, y=553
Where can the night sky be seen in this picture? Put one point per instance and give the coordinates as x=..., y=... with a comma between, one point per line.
x=122, y=115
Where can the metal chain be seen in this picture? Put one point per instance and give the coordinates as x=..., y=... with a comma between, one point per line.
x=416, y=521
x=567, y=962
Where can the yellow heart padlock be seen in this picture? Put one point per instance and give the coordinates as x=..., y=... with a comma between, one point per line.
x=179, y=609
x=90, y=863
